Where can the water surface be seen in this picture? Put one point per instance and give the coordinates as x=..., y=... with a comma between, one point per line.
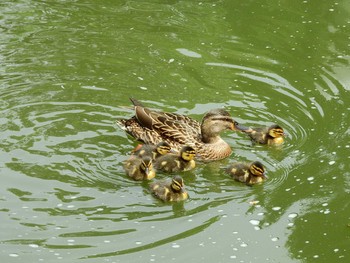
x=67, y=71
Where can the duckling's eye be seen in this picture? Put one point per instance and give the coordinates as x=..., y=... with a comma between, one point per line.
x=235, y=123
x=258, y=170
x=176, y=185
x=163, y=150
x=143, y=165
x=186, y=155
x=278, y=131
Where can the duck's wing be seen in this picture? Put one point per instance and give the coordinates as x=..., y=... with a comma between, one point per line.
x=169, y=126
x=160, y=190
x=238, y=169
x=133, y=127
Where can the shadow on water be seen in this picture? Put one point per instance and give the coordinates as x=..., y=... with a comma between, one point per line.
x=168, y=240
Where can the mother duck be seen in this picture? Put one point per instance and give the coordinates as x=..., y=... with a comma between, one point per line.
x=177, y=130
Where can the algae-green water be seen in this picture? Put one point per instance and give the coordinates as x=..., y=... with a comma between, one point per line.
x=67, y=71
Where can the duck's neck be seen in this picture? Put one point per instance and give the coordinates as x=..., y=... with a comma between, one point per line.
x=209, y=134
x=210, y=139
x=214, y=151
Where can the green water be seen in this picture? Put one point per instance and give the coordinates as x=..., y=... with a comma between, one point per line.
x=67, y=70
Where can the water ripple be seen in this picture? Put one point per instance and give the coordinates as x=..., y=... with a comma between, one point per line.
x=39, y=139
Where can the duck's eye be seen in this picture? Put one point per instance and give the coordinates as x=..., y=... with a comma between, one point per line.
x=228, y=119
x=235, y=123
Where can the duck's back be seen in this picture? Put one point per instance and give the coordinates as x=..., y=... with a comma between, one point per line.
x=239, y=171
x=259, y=135
x=154, y=127
x=162, y=190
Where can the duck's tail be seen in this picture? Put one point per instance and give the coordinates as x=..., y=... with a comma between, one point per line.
x=136, y=102
x=121, y=124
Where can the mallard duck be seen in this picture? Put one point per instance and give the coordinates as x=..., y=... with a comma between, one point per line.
x=170, y=190
x=273, y=135
x=177, y=130
x=151, y=150
x=184, y=161
x=139, y=168
x=249, y=173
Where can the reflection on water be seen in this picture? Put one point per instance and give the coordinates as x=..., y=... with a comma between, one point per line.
x=67, y=73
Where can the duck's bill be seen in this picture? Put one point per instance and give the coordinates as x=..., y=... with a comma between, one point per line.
x=239, y=127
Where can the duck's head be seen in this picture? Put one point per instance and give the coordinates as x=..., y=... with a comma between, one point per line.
x=163, y=148
x=258, y=169
x=276, y=131
x=146, y=164
x=187, y=153
x=177, y=184
x=217, y=120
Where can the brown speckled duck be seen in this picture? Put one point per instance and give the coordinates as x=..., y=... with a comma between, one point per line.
x=177, y=130
x=139, y=168
x=273, y=135
x=249, y=173
x=184, y=161
x=170, y=190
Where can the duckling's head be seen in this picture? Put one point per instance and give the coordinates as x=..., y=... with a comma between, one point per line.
x=215, y=121
x=187, y=153
x=276, y=131
x=257, y=169
x=146, y=164
x=177, y=183
x=163, y=148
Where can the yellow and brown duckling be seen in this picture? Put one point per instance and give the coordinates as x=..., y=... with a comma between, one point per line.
x=139, y=168
x=154, y=151
x=273, y=135
x=249, y=173
x=177, y=130
x=184, y=161
x=170, y=190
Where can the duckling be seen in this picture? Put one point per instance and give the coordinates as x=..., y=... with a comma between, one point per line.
x=273, y=135
x=173, y=190
x=139, y=168
x=250, y=174
x=184, y=161
x=177, y=130
x=154, y=151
